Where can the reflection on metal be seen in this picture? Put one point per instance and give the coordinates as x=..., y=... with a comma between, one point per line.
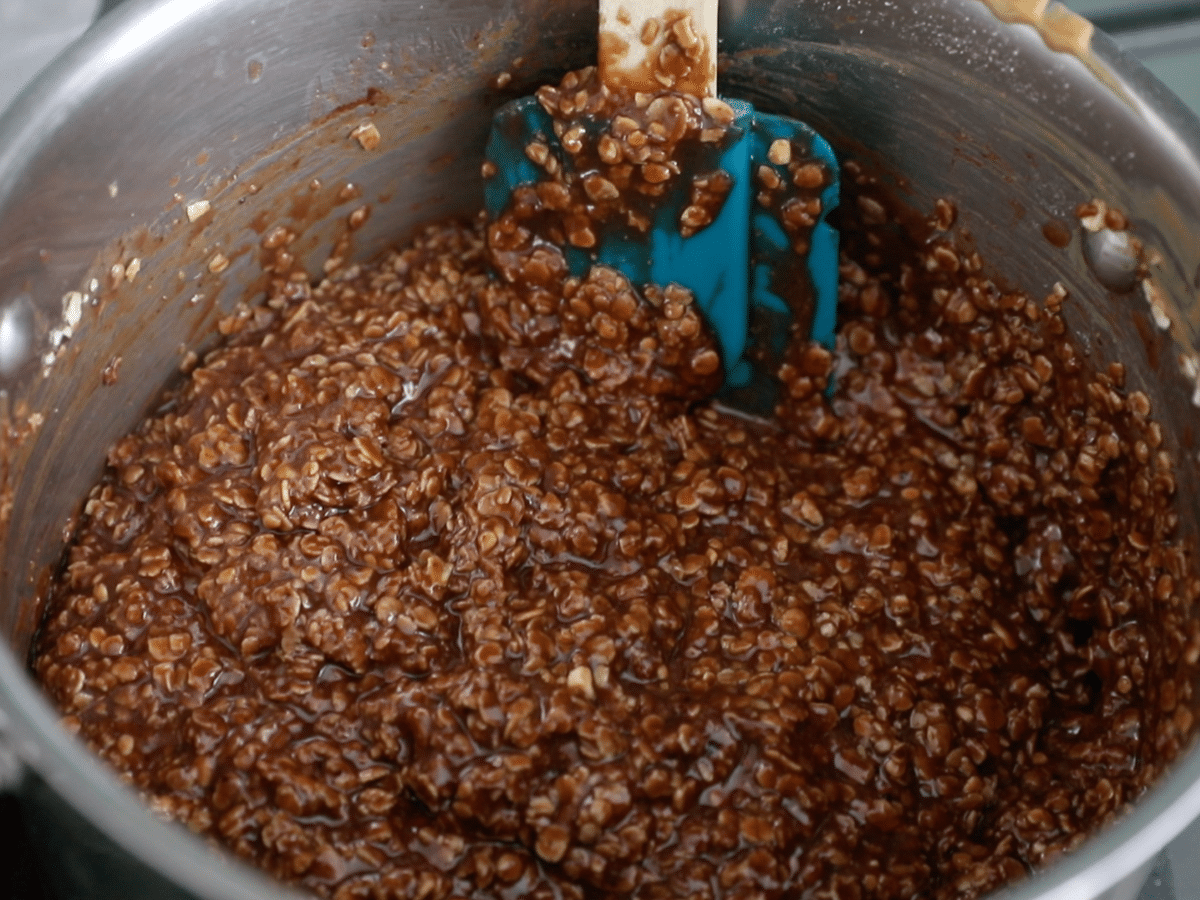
x=1112, y=258
x=16, y=334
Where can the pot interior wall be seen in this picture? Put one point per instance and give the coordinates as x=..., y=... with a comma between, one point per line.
x=252, y=111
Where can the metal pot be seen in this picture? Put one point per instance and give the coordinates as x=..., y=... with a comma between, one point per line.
x=174, y=133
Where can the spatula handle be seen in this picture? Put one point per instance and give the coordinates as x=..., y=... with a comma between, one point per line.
x=655, y=45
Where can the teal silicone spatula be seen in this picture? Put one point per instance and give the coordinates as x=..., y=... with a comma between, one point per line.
x=741, y=216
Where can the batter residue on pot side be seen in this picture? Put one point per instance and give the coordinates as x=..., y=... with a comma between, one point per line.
x=427, y=586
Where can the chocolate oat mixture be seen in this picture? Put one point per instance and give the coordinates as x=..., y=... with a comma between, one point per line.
x=431, y=584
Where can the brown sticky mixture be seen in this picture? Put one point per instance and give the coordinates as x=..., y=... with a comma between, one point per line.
x=429, y=584
x=623, y=154
x=425, y=585
x=676, y=54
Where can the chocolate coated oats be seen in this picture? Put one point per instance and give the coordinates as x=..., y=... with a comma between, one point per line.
x=428, y=585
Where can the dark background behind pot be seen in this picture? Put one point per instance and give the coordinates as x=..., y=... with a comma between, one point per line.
x=1164, y=34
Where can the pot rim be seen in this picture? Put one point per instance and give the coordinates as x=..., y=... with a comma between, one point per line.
x=31, y=724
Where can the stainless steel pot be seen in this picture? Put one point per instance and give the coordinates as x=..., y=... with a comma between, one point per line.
x=174, y=133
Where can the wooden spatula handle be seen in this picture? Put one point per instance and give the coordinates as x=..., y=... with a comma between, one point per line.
x=655, y=45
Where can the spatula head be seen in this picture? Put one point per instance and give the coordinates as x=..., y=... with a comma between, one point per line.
x=764, y=267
